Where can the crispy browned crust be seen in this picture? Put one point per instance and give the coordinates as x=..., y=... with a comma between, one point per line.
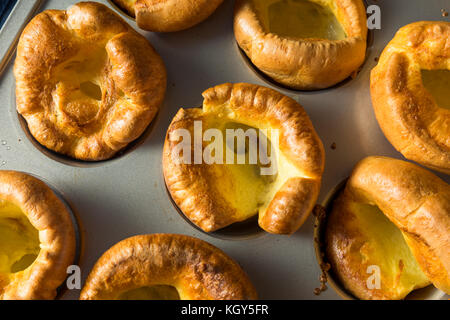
x=303, y=63
x=405, y=110
x=414, y=199
x=168, y=15
x=132, y=79
x=200, y=270
x=193, y=186
x=56, y=234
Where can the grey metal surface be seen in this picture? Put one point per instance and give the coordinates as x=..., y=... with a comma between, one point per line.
x=10, y=31
x=126, y=196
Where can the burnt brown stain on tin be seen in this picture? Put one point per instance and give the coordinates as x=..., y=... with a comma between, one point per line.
x=320, y=213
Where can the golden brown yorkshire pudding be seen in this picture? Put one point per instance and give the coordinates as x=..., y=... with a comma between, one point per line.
x=392, y=221
x=168, y=15
x=232, y=188
x=166, y=267
x=86, y=83
x=410, y=90
x=37, y=238
x=303, y=44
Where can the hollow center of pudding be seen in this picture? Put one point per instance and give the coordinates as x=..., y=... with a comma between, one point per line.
x=387, y=249
x=437, y=82
x=157, y=292
x=245, y=186
x=19, y=240
x=91, y=90
x=299, y=19
x=252, y=170
x=78, y=85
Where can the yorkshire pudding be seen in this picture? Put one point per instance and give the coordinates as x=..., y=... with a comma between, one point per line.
x=86, y=83
x=166, y=267
x=168, y=15
x=410, y=89
x=394, y=217
x=37, y=238
x=215, y=194
x=303, y=44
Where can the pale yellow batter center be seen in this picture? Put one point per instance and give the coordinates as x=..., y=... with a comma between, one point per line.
x=300, y=19
x=248, y=185
x=19, y=240
x=437, y=82
x=387, y=248
x=157, y=292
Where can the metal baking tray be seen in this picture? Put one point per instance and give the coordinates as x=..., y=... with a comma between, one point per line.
x=126, y=196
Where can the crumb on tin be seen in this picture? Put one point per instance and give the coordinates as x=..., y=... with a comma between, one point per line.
x=324, y=267
x=323, y=283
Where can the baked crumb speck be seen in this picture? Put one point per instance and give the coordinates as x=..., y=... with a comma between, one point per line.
x=325, y=267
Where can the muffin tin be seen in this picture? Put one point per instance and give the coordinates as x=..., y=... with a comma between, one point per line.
x=127, y=195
